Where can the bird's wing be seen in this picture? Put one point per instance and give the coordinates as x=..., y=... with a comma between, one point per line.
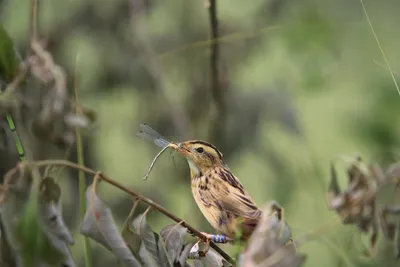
x=225, y=192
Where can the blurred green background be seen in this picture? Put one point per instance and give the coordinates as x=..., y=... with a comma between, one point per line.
x=302, y=81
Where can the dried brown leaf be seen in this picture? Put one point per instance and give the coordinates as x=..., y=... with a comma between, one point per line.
x=174, y=238
x=270, y=244
x=99, y=225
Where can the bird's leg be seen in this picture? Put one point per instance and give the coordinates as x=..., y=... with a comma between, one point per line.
x=217, y=238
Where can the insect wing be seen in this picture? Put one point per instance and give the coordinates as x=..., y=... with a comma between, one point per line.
x=150, y=134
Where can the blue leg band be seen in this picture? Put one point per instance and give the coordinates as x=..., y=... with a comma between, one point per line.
x=219, y=239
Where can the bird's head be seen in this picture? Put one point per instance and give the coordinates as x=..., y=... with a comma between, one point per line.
x=201, y=156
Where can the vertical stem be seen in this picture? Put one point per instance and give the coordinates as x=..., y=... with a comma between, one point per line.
x=217, y=130
x=214, y=54
x=16, y=81
x=18, y=142
x=81, y=174
x=34, y=20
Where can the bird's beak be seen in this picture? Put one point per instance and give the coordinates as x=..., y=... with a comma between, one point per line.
x=180, y=147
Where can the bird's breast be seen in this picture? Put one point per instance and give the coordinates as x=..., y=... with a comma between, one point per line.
x=219, y=219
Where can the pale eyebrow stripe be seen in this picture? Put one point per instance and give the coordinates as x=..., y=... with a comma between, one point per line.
x=207, y=144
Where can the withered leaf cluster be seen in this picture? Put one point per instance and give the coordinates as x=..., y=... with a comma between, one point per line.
x=33, y=232
x=59, y=115
x=357, y=204
x=35, y=91
x=270, y=244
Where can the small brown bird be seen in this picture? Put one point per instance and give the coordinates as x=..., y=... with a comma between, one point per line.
x=219, y=194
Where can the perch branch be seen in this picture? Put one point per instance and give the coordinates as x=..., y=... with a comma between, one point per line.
x=66, y=163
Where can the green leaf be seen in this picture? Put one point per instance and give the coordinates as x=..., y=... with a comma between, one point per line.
x=13, y=209
x=36, y=246
x=9, y=61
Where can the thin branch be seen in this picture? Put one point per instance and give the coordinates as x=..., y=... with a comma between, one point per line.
x=114, y=183
x=8, y=177
x=81, y=174
x=18, y=79
x=383, y=66
x=131, y=212
x=380, y=46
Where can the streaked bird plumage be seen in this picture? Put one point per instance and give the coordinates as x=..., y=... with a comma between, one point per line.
x=219, y=194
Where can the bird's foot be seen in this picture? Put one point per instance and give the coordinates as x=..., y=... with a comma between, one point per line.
x=213, y=238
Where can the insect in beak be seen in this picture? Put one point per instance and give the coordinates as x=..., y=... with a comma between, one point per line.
x=179, y=147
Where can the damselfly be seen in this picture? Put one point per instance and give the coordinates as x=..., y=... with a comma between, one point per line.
x=150, y=134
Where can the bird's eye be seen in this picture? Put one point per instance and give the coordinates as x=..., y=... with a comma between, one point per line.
x=200, y=149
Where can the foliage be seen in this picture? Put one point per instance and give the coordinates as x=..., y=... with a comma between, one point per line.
x=298, y=82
